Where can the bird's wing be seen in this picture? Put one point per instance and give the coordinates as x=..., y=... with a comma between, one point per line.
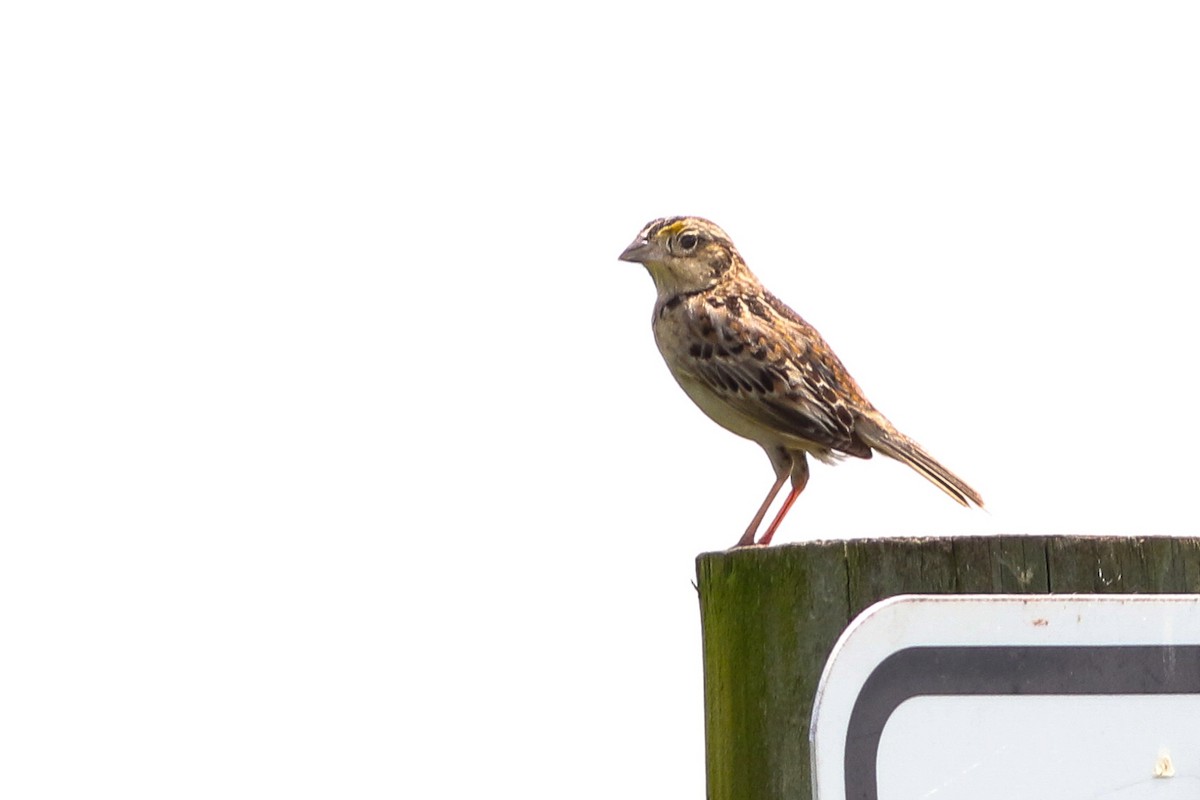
x=773, y=368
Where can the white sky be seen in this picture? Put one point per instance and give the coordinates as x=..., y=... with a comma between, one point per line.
x=336, y=458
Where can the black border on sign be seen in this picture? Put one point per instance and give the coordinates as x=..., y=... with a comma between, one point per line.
x=962, y=670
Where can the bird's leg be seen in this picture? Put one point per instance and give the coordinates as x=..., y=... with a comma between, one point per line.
x=799, y=481
x=781, y=462
x=748, y=536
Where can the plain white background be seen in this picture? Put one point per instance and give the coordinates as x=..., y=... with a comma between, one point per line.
x=336, y=458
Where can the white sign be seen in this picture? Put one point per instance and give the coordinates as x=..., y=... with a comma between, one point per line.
x=1002, y=697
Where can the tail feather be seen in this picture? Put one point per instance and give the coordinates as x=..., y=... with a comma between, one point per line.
x=893, y=444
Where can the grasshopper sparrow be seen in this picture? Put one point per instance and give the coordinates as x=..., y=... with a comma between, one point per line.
x=756, y=368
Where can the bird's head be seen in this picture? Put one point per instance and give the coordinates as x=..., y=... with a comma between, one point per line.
x=682, y=254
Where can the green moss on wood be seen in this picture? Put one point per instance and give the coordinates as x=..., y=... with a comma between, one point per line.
x=770, y=616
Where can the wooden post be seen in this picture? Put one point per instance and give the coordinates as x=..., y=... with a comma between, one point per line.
x=770, y=617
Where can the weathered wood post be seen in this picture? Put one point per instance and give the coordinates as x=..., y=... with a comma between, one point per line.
x=770, y=617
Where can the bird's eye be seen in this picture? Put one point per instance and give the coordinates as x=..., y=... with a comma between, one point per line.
x=688, y=241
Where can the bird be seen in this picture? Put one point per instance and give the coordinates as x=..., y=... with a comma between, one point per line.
x=756, y=368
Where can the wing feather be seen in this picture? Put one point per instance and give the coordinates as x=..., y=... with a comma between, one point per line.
x=774, y=369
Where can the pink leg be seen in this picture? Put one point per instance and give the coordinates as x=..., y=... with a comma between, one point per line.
x=748, y=537
x=799, y=481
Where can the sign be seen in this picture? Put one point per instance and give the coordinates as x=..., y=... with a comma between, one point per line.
x=1003, y=697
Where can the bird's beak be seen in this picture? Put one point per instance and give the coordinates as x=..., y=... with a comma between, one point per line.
x=637, y=252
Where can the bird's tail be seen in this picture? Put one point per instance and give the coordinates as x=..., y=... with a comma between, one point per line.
x=880, y=434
